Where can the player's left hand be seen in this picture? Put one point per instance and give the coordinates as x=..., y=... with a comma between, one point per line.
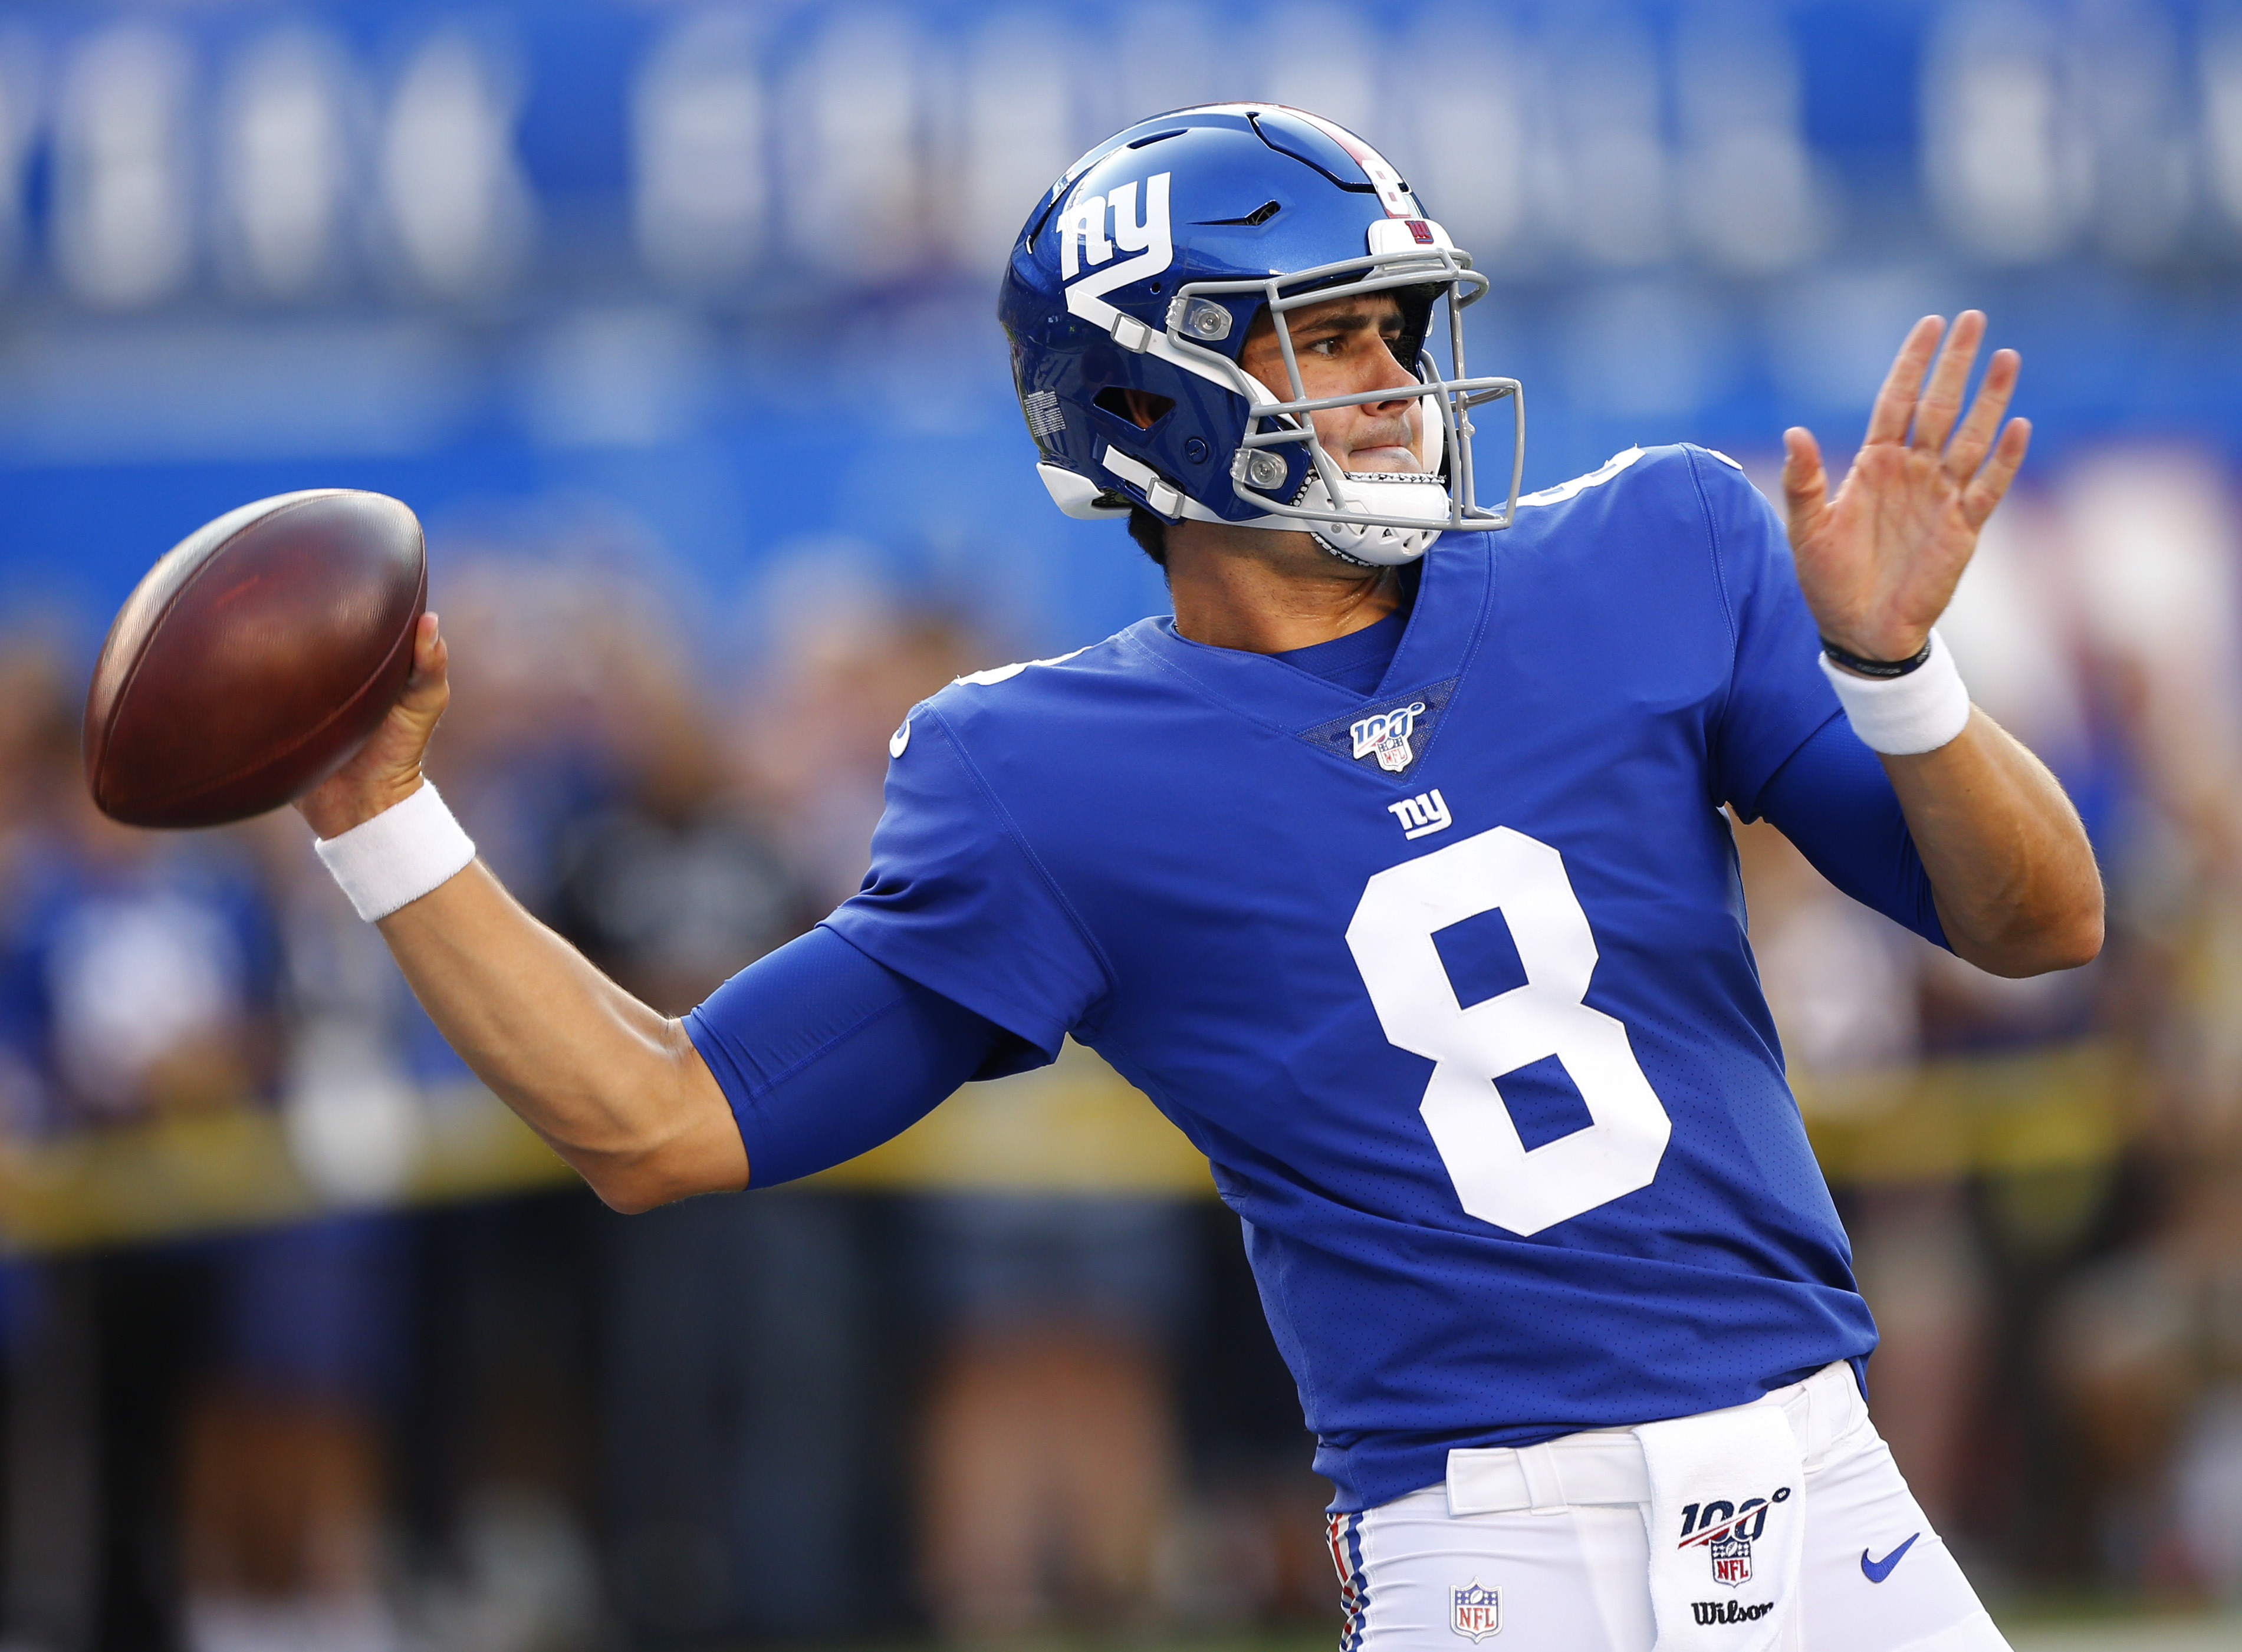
x=1879, y=561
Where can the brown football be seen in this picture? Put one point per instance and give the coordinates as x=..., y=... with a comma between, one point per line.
x=255, y=658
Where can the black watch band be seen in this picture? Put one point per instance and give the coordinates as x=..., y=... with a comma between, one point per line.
x=1877, y=668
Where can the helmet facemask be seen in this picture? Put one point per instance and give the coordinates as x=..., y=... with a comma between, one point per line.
x=1380, y=519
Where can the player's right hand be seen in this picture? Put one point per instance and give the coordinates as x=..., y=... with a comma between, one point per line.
x=387, y=768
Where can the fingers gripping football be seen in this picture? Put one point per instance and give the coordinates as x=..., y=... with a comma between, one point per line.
x=1879, y=558
x=387, y=768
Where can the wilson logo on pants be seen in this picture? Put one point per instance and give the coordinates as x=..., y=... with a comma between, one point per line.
x=1729, y=1611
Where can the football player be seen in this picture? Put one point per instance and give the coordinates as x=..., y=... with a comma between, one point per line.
x=1394, y=869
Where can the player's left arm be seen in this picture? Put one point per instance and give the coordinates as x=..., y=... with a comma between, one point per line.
x=2011, y=870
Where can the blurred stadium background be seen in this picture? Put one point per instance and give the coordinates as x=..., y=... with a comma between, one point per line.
x=673, y=321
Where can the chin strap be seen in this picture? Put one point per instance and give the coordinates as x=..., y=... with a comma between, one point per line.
x=1377, y=493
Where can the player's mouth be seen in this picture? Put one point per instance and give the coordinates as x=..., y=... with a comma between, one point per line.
x=1385, y=459
x=1387, y=445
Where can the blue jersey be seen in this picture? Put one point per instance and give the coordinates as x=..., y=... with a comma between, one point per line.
x=1450, y=984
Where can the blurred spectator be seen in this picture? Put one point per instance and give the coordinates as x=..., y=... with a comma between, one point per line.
x=1250, y=1544
x=224, y=1437
x=2147, y=1340
x=846, y=664
x=737, y=1351
x=542, y=636
x=503, y=1419
x=49, y=1525
x=1052, y=1462
x=283, y=1477
x=678, y=883
x=38, y=753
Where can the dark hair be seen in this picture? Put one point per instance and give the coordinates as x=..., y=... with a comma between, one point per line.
x=1150, y=532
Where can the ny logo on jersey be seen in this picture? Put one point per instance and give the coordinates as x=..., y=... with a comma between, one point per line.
x=1386, y=736
x=1423, y=814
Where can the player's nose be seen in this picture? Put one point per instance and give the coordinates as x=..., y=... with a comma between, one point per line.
x=1381, y=370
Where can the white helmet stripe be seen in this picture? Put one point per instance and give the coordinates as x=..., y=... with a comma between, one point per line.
x=1393, y=192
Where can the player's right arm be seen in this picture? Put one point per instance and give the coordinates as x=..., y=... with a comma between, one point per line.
x=617, y=1088
x=824, y=1052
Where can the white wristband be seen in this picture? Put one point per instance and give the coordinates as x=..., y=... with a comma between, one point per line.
x=1904, y=716
x=398, y=856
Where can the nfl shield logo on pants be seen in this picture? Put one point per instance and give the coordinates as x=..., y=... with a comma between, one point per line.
x=1732, y=1561
x=1475, y=1610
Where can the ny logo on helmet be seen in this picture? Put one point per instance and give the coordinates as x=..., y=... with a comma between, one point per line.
x=1082, y=242
x=1082, y=226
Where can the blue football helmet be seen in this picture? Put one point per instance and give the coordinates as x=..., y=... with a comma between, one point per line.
x=1143, y=268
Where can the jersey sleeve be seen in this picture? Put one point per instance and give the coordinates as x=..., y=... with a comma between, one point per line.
x=1777, y=697
x=957, y=901
x=1835, y=802
x=824, y=1053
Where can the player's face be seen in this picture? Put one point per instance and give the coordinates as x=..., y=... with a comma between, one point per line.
x=1345, y=348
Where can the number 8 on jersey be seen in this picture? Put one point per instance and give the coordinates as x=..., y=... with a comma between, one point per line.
x=1497, y=1178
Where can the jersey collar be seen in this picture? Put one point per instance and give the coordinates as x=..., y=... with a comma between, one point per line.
x=1444, y=631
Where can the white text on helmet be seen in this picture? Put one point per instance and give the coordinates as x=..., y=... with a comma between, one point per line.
x=1082, y=226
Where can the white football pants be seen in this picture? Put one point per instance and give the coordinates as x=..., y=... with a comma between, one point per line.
x=1575, y=1578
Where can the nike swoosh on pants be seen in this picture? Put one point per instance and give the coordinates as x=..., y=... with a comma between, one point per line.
x=1876, y=1571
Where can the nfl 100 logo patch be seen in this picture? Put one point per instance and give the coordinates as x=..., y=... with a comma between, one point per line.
x=1391, y=735
x=1385, y=735
x=1727, y=1532
x=1476, y=1611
